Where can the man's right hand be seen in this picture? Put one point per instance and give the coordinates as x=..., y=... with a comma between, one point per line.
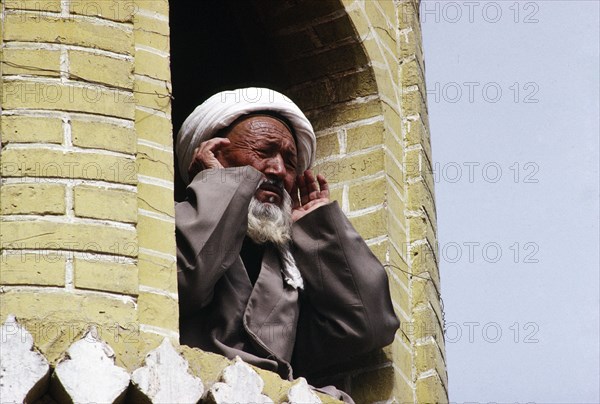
x=205, y=156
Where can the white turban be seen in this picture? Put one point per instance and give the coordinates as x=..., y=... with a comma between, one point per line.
x=222, y=109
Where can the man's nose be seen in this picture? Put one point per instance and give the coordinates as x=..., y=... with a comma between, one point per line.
x=275, y=166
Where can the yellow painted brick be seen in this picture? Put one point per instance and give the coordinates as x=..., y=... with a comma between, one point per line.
x=353, y=167
x=155, y=234
x=58, y=164
x=151, y=24
x=399, y=295
x=335, y=60
x=328, y=145
x=420, y=196
x=394, y=171
x=373, y=386
x=57, y=96
x=152, y=39
x=352, y=86
x=42, y=268
x=157, y=272
x=336, y=195
x=344, y=114
x=370, y=225
x=363, y=137
x=111, y=204
x=365, y=194
x=394, y=200
x=427, y=324
x=394, y=147
x=35, y=28
x=399, y=267
x=38, y=62
x=101, y=69
x=156, y=199
x=26, y=129
x=113, y=137
x=156, y=6
x=115, y=276
x=122, y=11
x=403, y=358
x=45, y=235
x=46, y=6
x=153, y=65
x=380, y=251
x=153, y=127
x=155, y=163
x=417, y=133
x=431, y=390
x=429, y=356
x=41, y=199
x=377, y=18
x=158, y=310
x=153, y=94
x=56, y=320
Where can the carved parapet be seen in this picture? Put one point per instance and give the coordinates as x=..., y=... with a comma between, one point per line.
x=87, y=373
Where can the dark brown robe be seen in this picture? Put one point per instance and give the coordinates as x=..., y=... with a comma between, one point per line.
x=344, y=310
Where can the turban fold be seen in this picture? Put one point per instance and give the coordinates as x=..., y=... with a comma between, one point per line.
x=222, y=109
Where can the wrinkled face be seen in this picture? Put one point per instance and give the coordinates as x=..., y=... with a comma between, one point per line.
x=266, y=144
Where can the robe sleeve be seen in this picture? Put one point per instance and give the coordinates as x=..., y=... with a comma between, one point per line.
x=346, y=305
x=210, y=227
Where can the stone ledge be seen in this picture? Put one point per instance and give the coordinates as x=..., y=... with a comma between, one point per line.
x=168, y=374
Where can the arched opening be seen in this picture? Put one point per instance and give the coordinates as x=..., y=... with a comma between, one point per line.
x=308, y=50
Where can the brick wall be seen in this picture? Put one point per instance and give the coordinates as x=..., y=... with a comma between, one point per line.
x=87, y=170
x=86, y=199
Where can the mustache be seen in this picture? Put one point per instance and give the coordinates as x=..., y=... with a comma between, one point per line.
x=272, y=183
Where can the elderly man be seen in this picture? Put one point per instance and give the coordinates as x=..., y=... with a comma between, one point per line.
x=269, y=268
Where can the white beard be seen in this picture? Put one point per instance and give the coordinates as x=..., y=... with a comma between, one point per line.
x=271, y=223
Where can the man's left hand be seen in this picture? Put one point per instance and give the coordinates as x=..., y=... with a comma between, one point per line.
x=313, y=194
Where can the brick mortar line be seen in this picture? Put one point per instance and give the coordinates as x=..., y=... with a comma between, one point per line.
x=377, y=240
x=77, y=18
x=351, y=125
x=79, y=255
x=400, y=251
x=63, y=148
x=366, y=211
x=66, y=181
x=159, y=292
x=158, y=216
x=55, y=47
x=66, y=82
x=379, y=44
x=154, y=51
x=155, y=145
x=156, y=254
x=396, y=279
x=53, y=290
x=151, y=15
x=74, y=115
x=145, y=179
x=163, y=332
x=21, y=218
x=340, y=157
x=396, y=190
x=404, y=377
x=157, y=112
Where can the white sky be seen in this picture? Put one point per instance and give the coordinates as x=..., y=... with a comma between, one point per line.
x=541, y=212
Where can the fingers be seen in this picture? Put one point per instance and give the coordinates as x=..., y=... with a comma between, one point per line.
x=311, y=188
x=204, y=156
x=324, y=186
x=294, y=196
